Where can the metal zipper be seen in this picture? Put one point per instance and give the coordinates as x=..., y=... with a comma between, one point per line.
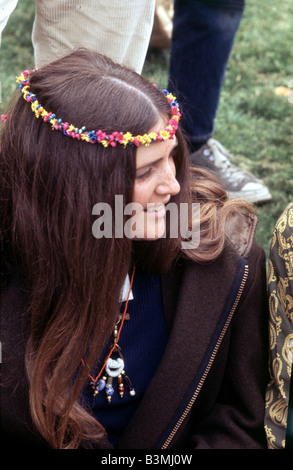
x=202, y=380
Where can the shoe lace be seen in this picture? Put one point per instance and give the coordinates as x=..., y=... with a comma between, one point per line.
x=217, y=153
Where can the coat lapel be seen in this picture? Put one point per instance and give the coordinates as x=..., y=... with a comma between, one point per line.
x=194, y=301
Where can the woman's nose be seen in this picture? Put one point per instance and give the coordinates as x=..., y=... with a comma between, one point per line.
x=168, y=183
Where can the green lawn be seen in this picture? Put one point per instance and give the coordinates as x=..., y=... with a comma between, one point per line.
x=253, y=121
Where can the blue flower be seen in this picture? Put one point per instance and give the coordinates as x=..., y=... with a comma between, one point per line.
x=92, y=136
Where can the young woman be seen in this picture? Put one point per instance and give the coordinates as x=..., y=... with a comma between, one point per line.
x=134, y=338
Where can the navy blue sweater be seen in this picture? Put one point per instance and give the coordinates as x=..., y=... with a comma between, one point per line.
x=142, y=340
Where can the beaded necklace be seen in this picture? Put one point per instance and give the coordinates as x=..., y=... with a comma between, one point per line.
x=114, y=368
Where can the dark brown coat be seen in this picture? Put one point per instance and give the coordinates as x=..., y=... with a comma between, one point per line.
x=208, y=391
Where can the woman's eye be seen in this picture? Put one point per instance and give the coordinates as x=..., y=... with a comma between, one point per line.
x=144, y=175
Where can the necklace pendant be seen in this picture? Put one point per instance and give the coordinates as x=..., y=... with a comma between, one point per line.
x=114, y=367
x=114, y=370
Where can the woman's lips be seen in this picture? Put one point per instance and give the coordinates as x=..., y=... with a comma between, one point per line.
x=157, y=210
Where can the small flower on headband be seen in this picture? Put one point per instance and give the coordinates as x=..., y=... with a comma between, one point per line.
x=99, y=136
x=4, y=117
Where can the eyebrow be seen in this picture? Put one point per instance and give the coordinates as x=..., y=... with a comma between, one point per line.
x=150, y=163
x=158, y=159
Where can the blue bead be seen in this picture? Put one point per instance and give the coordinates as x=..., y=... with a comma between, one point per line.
x=101, y=385
x=110, y=391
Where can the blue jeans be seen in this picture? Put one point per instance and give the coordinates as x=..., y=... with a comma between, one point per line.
x=203, y=36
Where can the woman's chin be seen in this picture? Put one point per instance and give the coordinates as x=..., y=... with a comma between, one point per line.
x=152, y=233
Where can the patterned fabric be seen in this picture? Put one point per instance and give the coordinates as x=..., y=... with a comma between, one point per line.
x=280, y=286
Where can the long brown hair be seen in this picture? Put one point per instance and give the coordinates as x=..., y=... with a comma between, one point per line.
x=49, y=185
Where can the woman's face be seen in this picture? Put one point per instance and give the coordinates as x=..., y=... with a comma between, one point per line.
x=155, y=183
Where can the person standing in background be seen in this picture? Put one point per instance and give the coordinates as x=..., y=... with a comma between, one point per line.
x=203, y=37
x=120, y=30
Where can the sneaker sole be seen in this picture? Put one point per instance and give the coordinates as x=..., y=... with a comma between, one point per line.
x=257, y=196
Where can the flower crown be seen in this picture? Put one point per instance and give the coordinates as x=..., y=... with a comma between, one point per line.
x=99, y=136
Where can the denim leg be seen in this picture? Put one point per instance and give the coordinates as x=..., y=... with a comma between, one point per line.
x=203, y=35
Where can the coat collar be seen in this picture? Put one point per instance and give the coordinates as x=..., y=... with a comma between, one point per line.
x=194, y=300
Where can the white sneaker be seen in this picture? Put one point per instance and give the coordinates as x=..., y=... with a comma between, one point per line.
x=236, y=182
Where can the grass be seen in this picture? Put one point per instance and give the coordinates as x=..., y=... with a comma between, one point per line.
x=253, y=121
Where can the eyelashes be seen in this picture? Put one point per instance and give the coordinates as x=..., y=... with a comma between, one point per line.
x=145, y=175
x=149, y=171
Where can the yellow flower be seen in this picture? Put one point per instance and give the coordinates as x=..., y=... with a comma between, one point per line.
x=25, y=91
x=127, y=138
x=85, y=137
x=164, y=134
x=153, y=135
x=171, y=97
x=34, y=106
x=144, y=139
x=21, y=78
